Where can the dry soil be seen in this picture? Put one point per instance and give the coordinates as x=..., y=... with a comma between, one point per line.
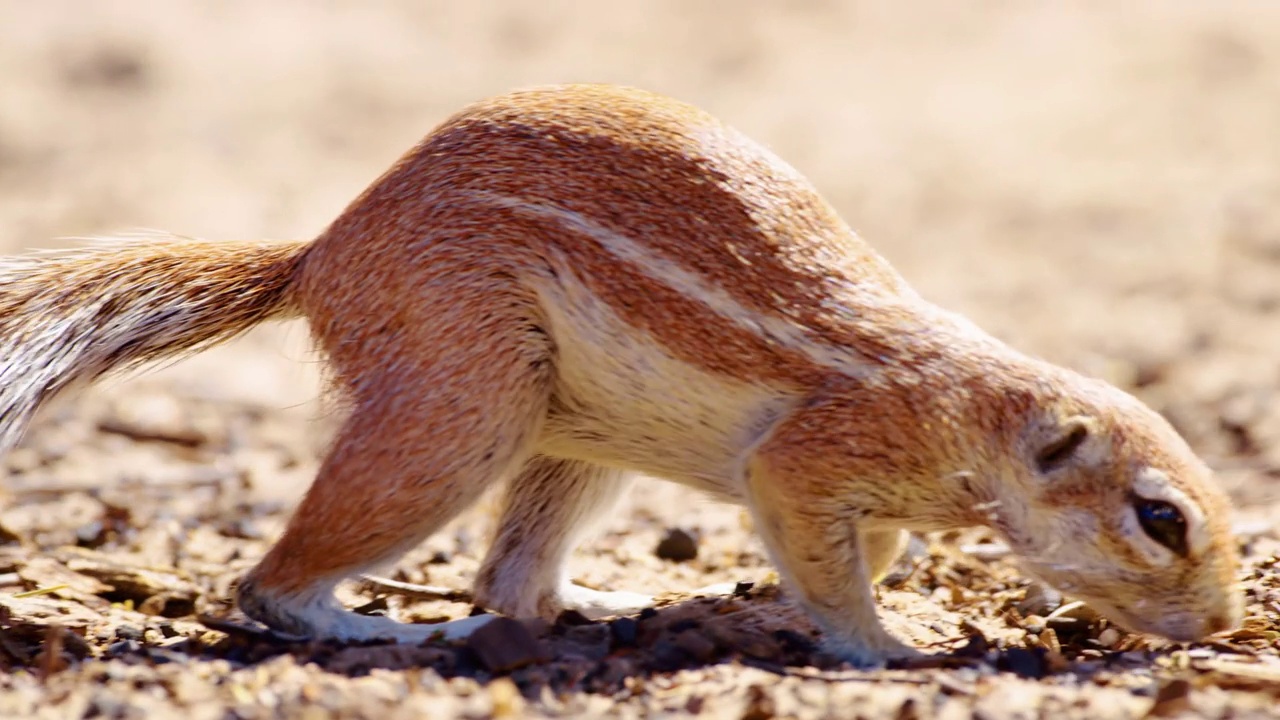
x=1098, y=183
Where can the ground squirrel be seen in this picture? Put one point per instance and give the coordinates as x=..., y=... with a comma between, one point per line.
x=565, y=285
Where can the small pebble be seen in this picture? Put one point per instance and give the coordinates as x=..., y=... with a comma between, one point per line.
x=1034, y=624
x=123, y=647
x=696, y=645
x=760, y=705
x=677, y=545
x=683, y=624
x=1173, y=698
x=504, y=644
x=793, y=641
x=624, y=632
x=1040, y=600
x=666, y=656
x=571, y=618
x=1024, y=663
x=1109, y=637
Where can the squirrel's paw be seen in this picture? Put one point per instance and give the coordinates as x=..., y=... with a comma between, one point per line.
x=872, y=652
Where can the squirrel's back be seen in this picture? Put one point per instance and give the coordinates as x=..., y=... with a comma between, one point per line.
x=686, y=228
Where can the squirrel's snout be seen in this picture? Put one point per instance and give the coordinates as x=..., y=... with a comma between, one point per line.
x=1220, y=622
x=1226, y=619
x=1190, y=628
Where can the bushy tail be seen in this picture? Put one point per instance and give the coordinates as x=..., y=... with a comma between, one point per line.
x=72, y=316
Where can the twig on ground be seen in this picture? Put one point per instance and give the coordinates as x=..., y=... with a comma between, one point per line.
x=414, y=591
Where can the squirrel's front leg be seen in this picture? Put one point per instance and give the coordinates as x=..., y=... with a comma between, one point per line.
x=814, y=539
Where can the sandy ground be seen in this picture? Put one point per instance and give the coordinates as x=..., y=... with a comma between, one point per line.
x=1096, y=183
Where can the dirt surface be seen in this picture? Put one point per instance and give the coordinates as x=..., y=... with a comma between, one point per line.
x=1098, y=183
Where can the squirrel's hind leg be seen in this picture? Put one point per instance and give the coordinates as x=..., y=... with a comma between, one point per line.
x=441, y=418
x=548, y=509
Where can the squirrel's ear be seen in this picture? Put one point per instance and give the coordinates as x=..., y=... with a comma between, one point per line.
x=1062, y=445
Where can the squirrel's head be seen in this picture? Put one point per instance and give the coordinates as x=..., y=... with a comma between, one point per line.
x=1114, y=508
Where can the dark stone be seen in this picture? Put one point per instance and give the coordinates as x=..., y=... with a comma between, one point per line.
x=571, y=618
x=1024, y=663
x=504, y=644
x=677, y=546
x=976, y=647
x=666, y=656
x=760, y=705
x=1172, y=698
x=793, y=642
x=1039, y=600
x=591, y=642
x=123, y=647
x=624, y=632
x=126, y=631
x=696, y=645
x=683, y=624
x=376, y=606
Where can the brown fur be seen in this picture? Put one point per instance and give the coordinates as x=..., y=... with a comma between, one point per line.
x=563, y=285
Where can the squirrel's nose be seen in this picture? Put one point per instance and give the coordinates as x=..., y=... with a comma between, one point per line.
x=1220, y=622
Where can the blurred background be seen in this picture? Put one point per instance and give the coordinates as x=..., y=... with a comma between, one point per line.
x=1096, y=182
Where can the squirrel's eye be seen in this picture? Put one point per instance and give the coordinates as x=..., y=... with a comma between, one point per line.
x=1164, y=523
x=1058, y=451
